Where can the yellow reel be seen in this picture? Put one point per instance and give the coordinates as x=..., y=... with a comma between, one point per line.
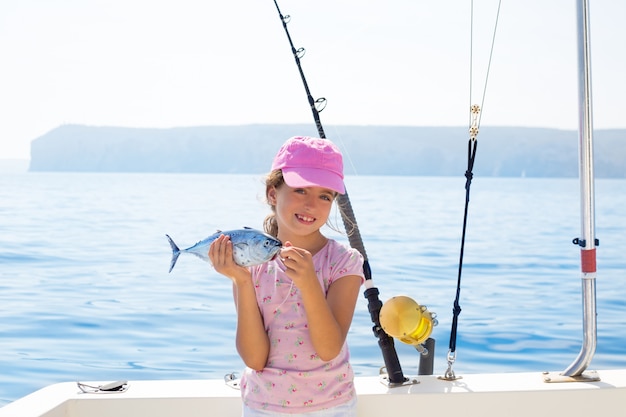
x=401, y=317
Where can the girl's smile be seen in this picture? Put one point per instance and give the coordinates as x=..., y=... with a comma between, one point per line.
x=305, y=219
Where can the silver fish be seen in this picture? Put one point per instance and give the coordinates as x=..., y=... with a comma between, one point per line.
x=250, y=247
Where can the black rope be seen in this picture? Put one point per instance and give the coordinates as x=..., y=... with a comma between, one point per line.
x=390, y=357
x=456, y=311
x=475, y=116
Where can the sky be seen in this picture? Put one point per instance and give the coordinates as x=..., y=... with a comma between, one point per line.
x=176, y=63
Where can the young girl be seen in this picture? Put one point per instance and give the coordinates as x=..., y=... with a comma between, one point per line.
x=294, y=312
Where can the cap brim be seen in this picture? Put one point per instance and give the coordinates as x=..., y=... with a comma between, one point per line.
x=312, y=177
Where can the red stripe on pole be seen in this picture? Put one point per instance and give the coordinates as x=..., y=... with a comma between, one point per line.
x=588, y=260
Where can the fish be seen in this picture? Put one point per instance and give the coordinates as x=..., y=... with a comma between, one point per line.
x=250, y=247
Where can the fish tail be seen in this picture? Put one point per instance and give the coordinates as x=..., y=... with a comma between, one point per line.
x=175, y=253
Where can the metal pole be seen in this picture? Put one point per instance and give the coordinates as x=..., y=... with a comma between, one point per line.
x=588, y=241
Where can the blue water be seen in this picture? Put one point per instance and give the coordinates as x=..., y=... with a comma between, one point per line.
x=85, y=292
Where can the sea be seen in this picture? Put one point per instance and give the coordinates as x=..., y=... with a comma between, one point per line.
x=85, y=293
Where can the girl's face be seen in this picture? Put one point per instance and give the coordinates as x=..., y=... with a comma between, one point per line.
x=301, y=211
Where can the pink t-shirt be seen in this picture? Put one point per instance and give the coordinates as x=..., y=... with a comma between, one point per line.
x=295, y=379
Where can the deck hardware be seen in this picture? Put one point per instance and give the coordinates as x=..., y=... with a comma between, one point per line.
x=450, y=375
x=232, y=381
x=555, y=377
x=115, y=387
x=475, y=116
x=384, y=379
x=583, y=243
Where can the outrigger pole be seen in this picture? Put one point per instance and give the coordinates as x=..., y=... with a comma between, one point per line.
x=587, y=242
x=390, y=357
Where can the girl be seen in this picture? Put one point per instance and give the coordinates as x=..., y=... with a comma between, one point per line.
x=294, y=312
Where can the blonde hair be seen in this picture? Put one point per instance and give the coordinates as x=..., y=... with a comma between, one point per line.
x=273, y=180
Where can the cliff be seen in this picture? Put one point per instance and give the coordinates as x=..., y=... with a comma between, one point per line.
x=368, y=150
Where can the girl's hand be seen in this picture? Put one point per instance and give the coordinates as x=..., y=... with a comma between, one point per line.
x=299, y=264
x=221, y=255
x=329, y=314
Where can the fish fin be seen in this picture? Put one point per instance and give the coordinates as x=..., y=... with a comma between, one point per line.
x=175, y=253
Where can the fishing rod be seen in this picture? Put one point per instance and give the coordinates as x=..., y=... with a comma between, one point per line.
x=297, y=54
x=390, y=356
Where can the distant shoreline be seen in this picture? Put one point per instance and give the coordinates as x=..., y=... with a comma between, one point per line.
x=368, y=150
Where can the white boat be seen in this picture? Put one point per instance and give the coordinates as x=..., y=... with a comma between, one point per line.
x=510, y=394
x=574, y=391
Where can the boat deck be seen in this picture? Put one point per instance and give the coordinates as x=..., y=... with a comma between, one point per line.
x=485, y=395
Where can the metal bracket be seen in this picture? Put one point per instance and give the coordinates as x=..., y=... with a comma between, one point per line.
x=583, y=243
x=232, y=381
x=554, y=377
x=384, y=379
x=449, y=377
x=475, y=112
x=116, y=387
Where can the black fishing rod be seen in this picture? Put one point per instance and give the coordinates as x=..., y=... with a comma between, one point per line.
x=297, y=54
x=390, y=357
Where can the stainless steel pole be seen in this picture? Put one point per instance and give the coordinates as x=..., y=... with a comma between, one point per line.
x=588, y=241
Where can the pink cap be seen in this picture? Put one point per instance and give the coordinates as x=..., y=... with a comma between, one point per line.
x=310, y=162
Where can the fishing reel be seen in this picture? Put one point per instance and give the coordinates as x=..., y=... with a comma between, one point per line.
x=409, y=322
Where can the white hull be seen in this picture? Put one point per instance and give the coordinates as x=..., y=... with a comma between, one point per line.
x=484, y=395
